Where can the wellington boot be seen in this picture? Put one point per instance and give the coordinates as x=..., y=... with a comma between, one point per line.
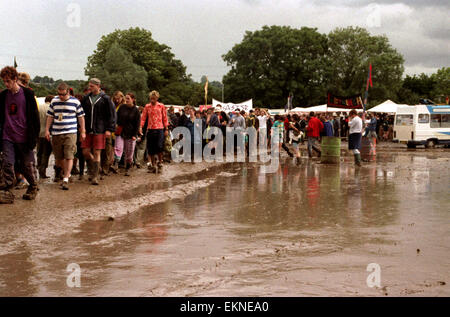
x=95, y=173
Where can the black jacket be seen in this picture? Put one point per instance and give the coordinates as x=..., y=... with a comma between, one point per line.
x=129, y=118
x=101, y=117
x=32, y=115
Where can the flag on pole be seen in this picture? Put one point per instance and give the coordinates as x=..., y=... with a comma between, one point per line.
x=291, y=97
x=15, y=62
x=206, y=91
x=288, y=105
x=369, y=78
x=369, y=82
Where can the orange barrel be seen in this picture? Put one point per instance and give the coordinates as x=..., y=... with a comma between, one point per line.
x=331, y=150
x=368, y=149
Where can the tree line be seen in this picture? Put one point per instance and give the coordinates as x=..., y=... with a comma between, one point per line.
x=267, y=65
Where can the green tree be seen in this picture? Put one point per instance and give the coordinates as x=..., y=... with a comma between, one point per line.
x=422, y=85
x=442, y=84
x=271, y=63
x=156, y=59
x=118, y=72
x=351, y=50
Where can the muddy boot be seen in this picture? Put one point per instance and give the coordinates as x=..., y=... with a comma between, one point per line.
x=115, y=167
x=151, y=169
x=95, y=172
x=357, y=159
x=6, y=196
x=90, y=169
x=127, y=169
x=31, y=192
x=75, y=171
x=65, y=185
x=159, y=167
x=58, y=174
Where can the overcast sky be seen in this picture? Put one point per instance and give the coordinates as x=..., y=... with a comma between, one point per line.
x=44, y=35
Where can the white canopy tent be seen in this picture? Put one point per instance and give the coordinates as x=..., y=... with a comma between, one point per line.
x=273, y=112
x=227, y=107
x=321, y=108
x=388, y=106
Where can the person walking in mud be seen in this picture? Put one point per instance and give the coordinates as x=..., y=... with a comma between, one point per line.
x=19, y=132
x=128, y=124
x=296, y=136
x=62, y=116
x=354, y=138
x=107, y=156
x=313, y=129
x=157, y=130
x=371, y=126
x=100, y=123
x=44, y=147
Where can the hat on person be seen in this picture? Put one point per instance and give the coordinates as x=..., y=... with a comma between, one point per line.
x=95, y=81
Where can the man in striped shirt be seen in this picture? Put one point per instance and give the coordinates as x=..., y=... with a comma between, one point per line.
x=64, y=113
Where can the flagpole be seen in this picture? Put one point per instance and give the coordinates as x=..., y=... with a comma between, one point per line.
x=206, y=92
x=369, y=81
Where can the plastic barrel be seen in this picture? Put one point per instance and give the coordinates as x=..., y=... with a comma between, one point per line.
x=368, y=149
x=331, y=150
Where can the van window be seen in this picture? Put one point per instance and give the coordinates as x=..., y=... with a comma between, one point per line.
x=445, y=121
x=435, y=121
x=424, y=118
x=404, y=119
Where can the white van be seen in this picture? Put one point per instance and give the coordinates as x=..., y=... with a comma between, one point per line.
x=426, y=125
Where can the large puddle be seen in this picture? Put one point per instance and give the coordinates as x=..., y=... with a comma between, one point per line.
x=306, y=230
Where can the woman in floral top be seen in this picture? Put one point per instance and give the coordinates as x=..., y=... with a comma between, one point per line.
x=157, y=130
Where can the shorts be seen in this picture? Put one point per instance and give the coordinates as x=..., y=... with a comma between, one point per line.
x=64, y=146
x=354, y=141
x=94, y=141
x=155, y=141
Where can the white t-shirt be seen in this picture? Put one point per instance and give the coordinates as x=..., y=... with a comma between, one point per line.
x=262, y=122
x=355, y=125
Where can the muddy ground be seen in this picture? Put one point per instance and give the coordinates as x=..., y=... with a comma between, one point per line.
x=231, y=229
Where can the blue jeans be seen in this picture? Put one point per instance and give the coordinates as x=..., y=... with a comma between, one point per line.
x=18, y=153
x=312, y=145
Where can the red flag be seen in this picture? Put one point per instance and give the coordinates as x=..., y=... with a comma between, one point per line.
x=369, y=77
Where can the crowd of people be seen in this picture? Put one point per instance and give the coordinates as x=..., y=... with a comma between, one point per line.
x=108, y=135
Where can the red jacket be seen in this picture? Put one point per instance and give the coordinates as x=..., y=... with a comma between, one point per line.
x=315, y=126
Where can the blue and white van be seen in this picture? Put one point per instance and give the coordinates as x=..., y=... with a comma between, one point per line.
x=426, y=125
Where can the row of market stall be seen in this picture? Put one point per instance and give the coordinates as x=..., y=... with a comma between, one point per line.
x=386, y=107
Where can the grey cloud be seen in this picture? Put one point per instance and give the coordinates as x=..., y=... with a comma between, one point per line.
x=361, y=3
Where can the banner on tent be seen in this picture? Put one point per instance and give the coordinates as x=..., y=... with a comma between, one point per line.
x=350, y=102
x=227, y=107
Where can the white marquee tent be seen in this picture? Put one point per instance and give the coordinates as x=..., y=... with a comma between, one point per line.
x=321, y=108
x=388, y=106
x=246, y=105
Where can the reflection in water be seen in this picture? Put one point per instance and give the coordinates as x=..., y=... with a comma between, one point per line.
x=18, y=272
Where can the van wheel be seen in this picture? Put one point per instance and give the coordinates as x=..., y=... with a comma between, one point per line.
x=411, y=146
x=430, y=144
